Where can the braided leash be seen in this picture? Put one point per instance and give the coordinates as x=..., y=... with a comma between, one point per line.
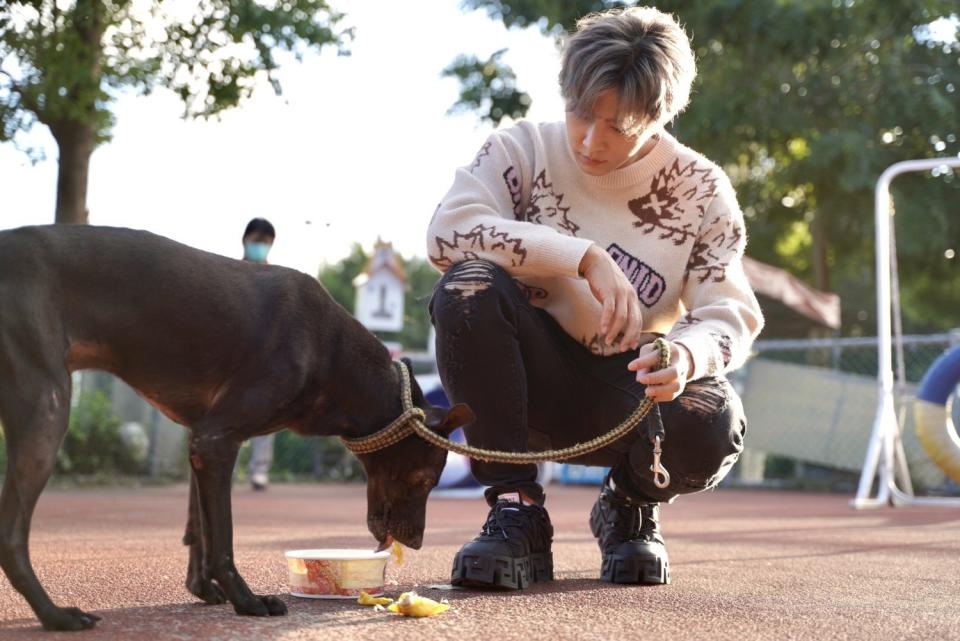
x=411, y=421
x=396, y=431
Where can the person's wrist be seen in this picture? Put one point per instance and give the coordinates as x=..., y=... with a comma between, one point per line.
x=589, y=260
x=687, y=358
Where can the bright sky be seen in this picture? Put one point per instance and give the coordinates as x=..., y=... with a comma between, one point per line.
x=360, y=146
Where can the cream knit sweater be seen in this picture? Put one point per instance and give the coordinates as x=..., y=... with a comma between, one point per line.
x=670, y=220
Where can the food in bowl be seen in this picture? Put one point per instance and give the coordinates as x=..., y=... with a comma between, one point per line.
x=336, y=574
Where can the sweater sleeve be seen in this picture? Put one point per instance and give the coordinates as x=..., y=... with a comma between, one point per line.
x=482, y=215
x=723, y=316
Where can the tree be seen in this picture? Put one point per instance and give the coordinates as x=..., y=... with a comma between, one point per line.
x=62, y=64
x=805, y=103
x=338, y=278
x=421, y=277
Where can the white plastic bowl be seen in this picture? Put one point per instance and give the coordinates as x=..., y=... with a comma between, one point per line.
x=336, y=574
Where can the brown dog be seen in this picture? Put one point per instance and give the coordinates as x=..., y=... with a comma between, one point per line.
x=227, y=348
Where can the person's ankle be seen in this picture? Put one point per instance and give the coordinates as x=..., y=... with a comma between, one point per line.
x=516, y=497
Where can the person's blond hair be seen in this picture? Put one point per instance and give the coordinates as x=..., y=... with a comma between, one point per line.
x=641, y=52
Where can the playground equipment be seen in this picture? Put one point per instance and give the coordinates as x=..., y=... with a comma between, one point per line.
x=885, y=460
x=932, y=413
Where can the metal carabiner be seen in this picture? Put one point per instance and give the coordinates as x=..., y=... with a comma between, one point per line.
x=659, y=471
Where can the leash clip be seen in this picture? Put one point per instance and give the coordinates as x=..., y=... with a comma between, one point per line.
x=661, y=477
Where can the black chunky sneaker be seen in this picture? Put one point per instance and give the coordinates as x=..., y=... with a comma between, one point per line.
x=512, y=550
x=628, y=533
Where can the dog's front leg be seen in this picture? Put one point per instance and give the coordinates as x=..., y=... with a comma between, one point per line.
x=212, y=457
x=203, y=588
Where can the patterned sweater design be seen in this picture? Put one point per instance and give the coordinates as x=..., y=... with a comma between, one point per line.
x=670, y=221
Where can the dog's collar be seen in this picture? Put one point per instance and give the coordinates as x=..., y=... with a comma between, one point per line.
x=396, y=431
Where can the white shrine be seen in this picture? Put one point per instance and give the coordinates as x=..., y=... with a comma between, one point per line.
x=380, y=291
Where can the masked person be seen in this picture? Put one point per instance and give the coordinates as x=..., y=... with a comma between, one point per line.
x=567, y=249
x=258, y=239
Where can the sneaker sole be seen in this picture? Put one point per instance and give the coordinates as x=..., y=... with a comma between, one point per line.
x=501, y=571
x=633, y=570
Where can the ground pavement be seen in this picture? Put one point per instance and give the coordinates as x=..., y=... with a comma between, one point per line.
x=746, y=565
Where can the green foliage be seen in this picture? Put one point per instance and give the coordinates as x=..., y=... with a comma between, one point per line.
x=805, y=103
x=338, y=278
x=421, y=277
x=93, y=444
x=551, y=16
x=843, y=92
x=334, y=462
x=65, y=62
x=779, y=467
x=293, y=454
x=297, y=457
x=487, y=87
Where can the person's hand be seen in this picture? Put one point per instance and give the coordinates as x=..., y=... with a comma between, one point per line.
x=663, y=384
x=621, y=320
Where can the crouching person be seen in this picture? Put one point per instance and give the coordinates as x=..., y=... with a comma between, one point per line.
x=568, y=248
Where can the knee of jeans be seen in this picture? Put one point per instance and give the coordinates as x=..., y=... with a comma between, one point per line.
x=720, y=453
x=718, y=449
x=464, y=288
x=704, y=436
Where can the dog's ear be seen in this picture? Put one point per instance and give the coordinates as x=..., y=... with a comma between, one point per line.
x=443, y=421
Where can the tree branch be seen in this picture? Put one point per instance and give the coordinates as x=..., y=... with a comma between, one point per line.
x=25, y=99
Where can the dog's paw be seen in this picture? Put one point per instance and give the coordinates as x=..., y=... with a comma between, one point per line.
x=253, y=607
x=261, y=606
x=207, y=591
x=274, y=605
x=69, y=619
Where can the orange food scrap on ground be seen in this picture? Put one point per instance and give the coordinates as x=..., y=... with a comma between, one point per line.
x=411, y=604
x=366, y=599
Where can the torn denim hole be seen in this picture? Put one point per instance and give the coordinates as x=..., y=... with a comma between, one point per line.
x=466, y=288
x=470, y=278
x=703, y=399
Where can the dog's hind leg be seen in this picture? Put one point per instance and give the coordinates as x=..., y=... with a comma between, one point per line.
x=212, y=456
x=205, y=589
x=34, y=409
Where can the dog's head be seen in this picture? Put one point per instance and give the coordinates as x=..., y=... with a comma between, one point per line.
x=400, y=477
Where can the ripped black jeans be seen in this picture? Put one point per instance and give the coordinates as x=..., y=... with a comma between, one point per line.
x=533, y=387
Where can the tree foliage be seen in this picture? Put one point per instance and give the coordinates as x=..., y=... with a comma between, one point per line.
x=487, y=87
x=93, y=443
x=421, y=277
x=805, y=103
x=63, y=63
x=337, y=278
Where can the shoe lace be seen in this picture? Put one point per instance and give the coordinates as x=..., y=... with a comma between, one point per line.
x=631, y=521
x=505, y=516
x=624, y=521
x=648, y=522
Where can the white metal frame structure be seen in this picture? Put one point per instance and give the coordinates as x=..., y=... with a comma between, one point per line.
x=885, y=459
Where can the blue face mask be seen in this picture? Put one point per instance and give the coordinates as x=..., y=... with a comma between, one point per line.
x=256, y=252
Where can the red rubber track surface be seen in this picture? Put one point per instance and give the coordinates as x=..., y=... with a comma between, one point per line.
x=745, y=565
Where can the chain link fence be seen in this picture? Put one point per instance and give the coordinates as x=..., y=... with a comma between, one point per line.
x=811, y=405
